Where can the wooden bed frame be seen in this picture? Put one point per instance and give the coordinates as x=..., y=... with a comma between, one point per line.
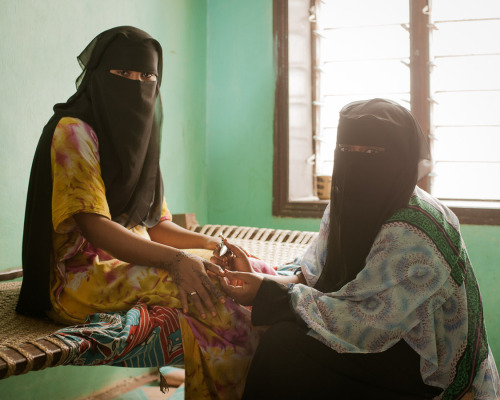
x=39, y=349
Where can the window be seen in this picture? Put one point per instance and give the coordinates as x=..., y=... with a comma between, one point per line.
x=437, y=58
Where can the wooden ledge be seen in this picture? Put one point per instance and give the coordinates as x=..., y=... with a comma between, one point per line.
x=39, y=357
x=11, y=274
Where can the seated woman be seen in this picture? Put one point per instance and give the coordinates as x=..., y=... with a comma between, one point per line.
x=385, y=304
x=98, y=236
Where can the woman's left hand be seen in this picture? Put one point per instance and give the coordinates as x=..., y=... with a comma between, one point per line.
x=189, y=273
x=247, y=288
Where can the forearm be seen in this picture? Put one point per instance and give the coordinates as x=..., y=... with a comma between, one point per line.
x=188, y=272
x=272, y=303
x=286, y=279
x=171, y=234
x=122, y=243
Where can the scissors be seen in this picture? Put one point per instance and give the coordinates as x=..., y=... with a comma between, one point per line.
x=223, y=248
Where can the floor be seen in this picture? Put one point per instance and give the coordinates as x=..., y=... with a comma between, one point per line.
x=151, y=391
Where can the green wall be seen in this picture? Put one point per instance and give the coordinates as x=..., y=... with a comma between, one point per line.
x=483, y=246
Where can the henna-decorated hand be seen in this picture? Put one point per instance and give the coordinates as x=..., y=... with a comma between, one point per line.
x=189, y=273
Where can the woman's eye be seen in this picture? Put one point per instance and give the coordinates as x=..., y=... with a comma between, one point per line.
x=347, y=149
x=148, y=77
x=123, y=73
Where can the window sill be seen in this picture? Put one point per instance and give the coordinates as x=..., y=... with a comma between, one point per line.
x=472, y=212
x=477, y=216
x=301, y=208
x=468, y=213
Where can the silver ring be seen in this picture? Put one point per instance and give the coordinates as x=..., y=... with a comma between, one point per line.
x=193, y=293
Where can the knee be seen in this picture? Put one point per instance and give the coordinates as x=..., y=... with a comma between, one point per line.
x=281, y=336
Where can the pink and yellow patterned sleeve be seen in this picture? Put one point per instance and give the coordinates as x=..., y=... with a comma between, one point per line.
x=76, y=174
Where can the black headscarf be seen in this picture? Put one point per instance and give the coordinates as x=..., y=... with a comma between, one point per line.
x=368, y=188
x=126, y=116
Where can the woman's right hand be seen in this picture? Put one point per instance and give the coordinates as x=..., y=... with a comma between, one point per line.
x=189, y=273
x=246, y=288
x=236, y=259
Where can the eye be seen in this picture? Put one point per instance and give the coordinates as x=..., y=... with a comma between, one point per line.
x=120, y=72
x=148, y=77
x=351, y=148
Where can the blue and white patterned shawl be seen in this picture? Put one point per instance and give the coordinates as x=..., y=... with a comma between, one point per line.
x=417, y=285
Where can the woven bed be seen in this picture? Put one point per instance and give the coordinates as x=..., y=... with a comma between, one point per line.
x=27, y=344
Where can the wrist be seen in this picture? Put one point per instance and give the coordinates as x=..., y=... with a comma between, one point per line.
x=171, y=259
x=210, y=243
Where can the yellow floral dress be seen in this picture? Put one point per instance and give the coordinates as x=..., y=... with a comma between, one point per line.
x=87, y=280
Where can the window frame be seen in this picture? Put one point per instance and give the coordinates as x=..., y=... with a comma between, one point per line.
x=283, y=206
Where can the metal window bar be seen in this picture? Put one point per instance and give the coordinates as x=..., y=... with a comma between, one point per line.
x=445, y=21
x=466, y=55
x=467, y=126
x=465, y=162
x=365, y=59
x=467, y=90
x=366, y=94
x=404, y=25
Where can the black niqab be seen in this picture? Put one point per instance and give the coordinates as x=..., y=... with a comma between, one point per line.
x=368, y=188
x=126, y=116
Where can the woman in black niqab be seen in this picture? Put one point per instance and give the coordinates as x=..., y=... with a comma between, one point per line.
x=126, y=116
x=367, y=187
x=376, y=167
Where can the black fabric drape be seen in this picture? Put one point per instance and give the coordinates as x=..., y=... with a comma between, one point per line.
x=290, y=364
x=367, y=188
x=272, y=292
x=126, y=116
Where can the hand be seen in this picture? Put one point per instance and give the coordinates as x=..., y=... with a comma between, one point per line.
x=189, y=273
x=245, y=292
x=237, y=261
